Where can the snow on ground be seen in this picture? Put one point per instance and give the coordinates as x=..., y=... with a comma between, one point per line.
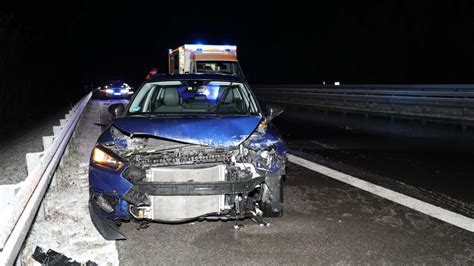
x=67, y=227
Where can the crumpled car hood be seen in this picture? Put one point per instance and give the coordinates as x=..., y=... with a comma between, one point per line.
x=210, y=131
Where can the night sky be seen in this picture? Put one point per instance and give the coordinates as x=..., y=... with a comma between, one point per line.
x=76, y=43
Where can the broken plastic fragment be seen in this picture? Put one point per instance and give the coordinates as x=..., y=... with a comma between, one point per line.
x=52, y=258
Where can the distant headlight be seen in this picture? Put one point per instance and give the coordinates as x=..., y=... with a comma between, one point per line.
x=101, y=157
x=110, y=91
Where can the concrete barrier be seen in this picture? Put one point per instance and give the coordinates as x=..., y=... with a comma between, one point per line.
x=47, y=142
x=7, y=194
x=32, y=160
x=57, y=130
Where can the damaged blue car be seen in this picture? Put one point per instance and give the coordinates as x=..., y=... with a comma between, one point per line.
x=187, y=147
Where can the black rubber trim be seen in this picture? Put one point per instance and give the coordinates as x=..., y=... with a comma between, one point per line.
x=106, y=227
x=199, y=188
x=135, y=197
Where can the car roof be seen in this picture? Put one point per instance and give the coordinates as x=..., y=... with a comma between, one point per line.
x=196, y=76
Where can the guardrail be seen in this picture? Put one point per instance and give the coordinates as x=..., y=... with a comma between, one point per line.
x=448, y=103
x=19, y=213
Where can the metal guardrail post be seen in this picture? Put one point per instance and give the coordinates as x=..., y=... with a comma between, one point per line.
x=20, y=214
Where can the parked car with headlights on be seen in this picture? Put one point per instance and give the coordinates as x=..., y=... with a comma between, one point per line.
x=115, y=89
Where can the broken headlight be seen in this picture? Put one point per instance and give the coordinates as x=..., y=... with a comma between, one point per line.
x=121, y=139
x=262, y=126
x=263, y=145
x=264, y=158
x=257, y=141
x=101, y=156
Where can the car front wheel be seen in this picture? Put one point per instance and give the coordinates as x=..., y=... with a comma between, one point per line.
x=272, y=201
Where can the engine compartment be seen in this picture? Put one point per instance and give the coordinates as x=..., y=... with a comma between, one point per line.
x=177, y=181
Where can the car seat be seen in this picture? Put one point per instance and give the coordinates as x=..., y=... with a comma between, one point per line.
x=171, y=101
x=227, y=105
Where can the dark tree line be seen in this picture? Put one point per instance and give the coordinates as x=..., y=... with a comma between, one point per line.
x=34, y=72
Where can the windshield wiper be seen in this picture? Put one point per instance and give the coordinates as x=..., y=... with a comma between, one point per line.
x=151, y=115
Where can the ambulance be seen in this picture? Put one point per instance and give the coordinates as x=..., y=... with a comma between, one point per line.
x=199, y=58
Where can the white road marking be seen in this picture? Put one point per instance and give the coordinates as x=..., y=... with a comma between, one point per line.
x=407, y=201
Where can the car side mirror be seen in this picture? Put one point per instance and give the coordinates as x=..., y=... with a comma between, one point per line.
x=116, y=109
x=273, y=111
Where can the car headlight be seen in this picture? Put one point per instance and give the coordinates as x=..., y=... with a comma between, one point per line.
x=103, y=158
x=110, y=91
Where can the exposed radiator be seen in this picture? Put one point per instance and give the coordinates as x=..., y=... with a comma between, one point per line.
x=175, y=208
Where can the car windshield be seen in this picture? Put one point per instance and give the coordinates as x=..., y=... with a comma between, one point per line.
x=194, y=97
x=115, y=83
x=221, y=67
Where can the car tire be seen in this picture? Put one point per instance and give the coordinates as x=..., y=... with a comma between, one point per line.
x=268, y=211
x=267, y=207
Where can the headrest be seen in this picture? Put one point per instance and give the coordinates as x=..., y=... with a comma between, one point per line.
x=229, y=97
x=171, y=97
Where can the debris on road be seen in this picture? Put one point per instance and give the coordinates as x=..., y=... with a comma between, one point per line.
x=53, y=258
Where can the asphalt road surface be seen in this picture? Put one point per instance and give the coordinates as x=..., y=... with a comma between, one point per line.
x=436, y=170
x=325, y=221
